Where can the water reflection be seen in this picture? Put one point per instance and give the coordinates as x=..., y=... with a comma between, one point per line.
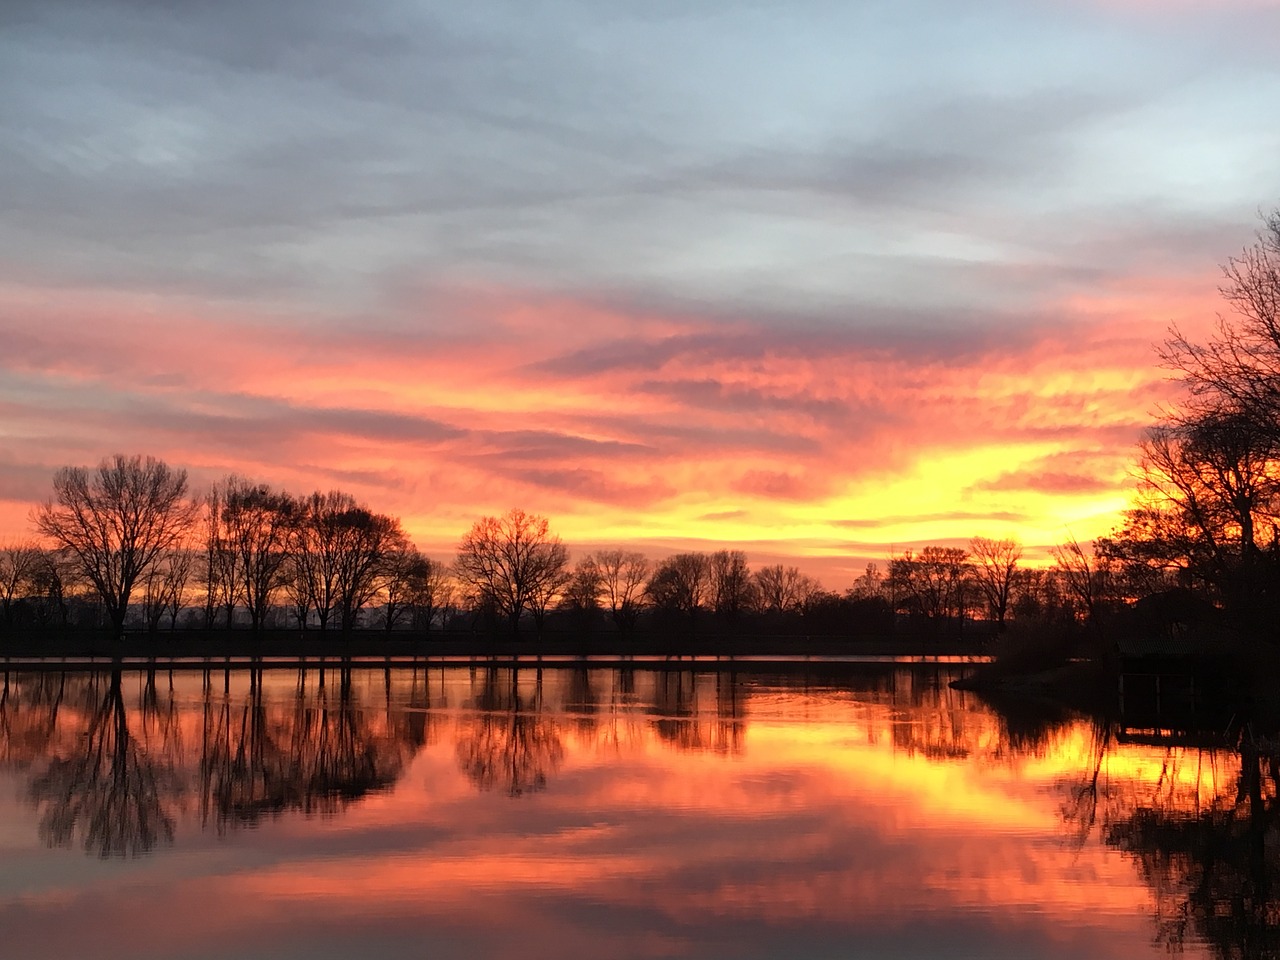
x=879, y=808
x=1202, y=826
x=110, y=791
x=315, y=752
x=508, y=742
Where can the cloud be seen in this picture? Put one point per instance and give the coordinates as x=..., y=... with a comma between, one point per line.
x=670, y=275
x=874, y=523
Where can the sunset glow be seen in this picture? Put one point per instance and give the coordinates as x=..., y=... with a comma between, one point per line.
x=673, y=284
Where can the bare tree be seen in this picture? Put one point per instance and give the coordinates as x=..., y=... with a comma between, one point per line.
x=400, y=570
x=1239, y=368
x=1209, y=505
x=433, y=593
x=585, y=586
x=623, y=575
x=550, y=576
x=164, y=587
x=681, y=583
x=116, y=522
x=1085, y=575
x=511, y=562
x=732, y=590
x=365, y=541
x=870, y=584
x=47, y=588
x=931, y=582
x=217, y=571
x=782, y=589
x=1208, y=508
x=414, y=589
x=18, y=563
x=995, y=566
x=317, y=542
x=257, y=524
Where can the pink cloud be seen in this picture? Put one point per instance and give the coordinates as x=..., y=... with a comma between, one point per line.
x=616, y=423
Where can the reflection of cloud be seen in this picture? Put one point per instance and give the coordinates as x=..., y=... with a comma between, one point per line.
x=880, y=808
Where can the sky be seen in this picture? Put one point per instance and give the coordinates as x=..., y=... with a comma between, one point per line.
x=817, y=280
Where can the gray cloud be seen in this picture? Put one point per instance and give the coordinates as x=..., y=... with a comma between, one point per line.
x=308, y=151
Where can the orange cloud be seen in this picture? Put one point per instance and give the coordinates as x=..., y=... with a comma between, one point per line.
x=622, y=426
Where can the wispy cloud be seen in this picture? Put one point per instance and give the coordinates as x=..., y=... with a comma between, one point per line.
x=752, y=274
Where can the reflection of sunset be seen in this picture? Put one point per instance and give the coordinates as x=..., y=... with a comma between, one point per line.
x=690, y=800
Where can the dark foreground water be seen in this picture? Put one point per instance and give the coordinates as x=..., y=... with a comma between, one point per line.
x=606, y=813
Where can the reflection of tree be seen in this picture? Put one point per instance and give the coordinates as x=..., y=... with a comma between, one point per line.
x=29, y=716
x=1214, y=869
x=939, y=716
x=112, y=793
x=682, y=720
x=416, y=721
x=509, y=743
x=1204, y=833
x=121, y=773
x=581, y=700
x=620, y=730
x=315, y=755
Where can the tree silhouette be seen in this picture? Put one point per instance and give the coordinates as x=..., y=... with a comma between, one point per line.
x=995, y=566
x=681, y=584
x=622, y=576
x=116, y=522
x=513, y=563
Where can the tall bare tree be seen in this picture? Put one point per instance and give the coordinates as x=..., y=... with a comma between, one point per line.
x=623, y=575
x=931, y=582
x=510, y=561
x=317, y=541
x=682, y=583
x=1239, y=368
x=551, y=576
x=258, y=524
x=401, y=571
x=995, y=568
x=782, y=589
x=584, y=588
x=164, y=587
x=433, y=594
x=220, y=573
x=116, y=521
x=1086, y=575
x=371, y=538
x=870, y=584
x=732, y=590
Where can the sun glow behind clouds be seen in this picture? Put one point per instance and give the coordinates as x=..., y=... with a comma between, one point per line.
x=817, y=442
x=816, y=280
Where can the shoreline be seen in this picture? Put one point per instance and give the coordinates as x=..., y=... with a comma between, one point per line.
x=750, y=662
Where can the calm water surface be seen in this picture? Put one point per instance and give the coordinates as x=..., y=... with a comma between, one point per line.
x=608, y=813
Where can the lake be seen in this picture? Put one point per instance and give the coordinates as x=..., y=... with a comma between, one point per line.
x=610, y=812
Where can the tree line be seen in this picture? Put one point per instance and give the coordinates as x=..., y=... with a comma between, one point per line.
x=127, y=545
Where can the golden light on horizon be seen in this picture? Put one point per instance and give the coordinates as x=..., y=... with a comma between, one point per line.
x=826, y=457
